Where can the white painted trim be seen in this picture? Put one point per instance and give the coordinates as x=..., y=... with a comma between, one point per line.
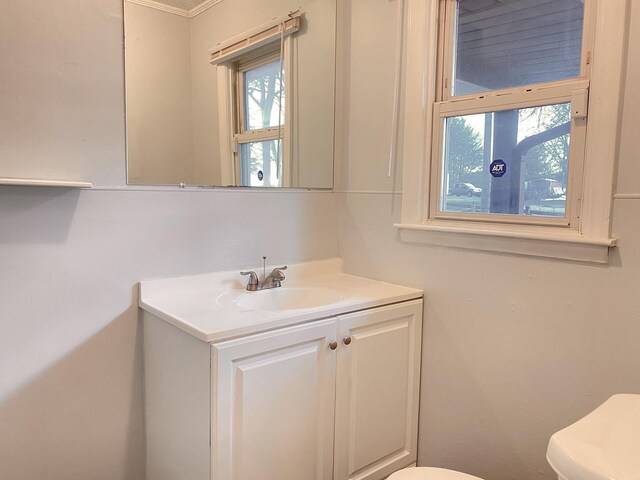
x=340, y=105
x=255, y=38
x=421, y=38
x=229, y=140
x=368, y=192
x=546, y=94
x=162, y=7
x=627, y=196
x=509, y=231
x=32, y=182
x=605, y=101
x=202, y=7
x=289, y=134
x=225, y=122
x=210, y=189
x=397, y=90
x=517, y=242
x=262, y=135
x=175, y=10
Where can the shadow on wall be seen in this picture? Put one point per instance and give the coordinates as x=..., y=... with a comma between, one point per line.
x=94, y=404
x=53, y=208
x=488, y=441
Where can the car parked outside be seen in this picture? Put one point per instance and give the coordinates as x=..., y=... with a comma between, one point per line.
x=465, y=189
x=539, y=189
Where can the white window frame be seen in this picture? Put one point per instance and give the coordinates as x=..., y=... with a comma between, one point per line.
x=227, y=56
x=242, y=135
x=587, y=236
x=546, y=94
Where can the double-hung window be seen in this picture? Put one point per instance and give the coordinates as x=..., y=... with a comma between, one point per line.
x=260, y=120
x=255, y=92
x=507, y=147
x=511, y=117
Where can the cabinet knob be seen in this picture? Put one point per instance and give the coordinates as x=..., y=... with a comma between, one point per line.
x=346, y=340
x=333, y=345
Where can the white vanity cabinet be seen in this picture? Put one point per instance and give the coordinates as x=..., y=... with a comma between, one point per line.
x=273, y=404
x=282, y=397
x=315, y=380
x=327, y=399
x=377, y=389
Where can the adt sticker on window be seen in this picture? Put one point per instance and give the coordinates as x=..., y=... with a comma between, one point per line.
x=498, y=168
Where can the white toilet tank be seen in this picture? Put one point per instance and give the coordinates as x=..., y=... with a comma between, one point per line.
x=604, y=445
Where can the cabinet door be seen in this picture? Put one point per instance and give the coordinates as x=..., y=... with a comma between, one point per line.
x=273, y=405
x=378, y=380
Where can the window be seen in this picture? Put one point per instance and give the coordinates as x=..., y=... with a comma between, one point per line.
x=260, y=120
x=254, y=76
x=518, y=123
x=511, y=76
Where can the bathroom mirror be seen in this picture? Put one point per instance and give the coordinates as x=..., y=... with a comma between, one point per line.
x=230, y=92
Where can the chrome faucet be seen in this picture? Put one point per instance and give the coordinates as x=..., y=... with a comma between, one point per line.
x=273, y=280
x=254, y=283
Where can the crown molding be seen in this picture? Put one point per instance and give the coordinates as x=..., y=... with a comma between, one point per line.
x=174, y=10
x=202, y=7
x=161, y=6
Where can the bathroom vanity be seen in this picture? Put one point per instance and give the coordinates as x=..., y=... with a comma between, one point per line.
x=315, y=380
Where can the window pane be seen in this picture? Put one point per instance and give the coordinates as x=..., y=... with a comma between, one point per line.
x=261, y=164
x=513, y=162
x=263, y=91
x=510, y=43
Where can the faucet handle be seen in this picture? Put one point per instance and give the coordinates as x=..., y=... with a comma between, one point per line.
x=253, y=283
x=277, y=272
x=274, y=279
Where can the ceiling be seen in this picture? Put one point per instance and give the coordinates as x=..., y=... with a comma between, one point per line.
x=186, y=5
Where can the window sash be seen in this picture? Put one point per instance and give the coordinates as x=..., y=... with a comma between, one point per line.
x=283, y=132
x=243, y=170
x=526, y=96
x=229, y=118
x=446, y=54
x=264, y=134
x=543, y=94
x=444, y=110
x=240, y=69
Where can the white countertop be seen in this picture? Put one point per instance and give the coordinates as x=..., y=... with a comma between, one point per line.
x=197, y=305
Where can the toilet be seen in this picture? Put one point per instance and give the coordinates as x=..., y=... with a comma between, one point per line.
x=602, y=445
x=430, y=473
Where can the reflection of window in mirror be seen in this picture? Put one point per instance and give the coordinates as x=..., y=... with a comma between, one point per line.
x=256, y=94
x=260, y=120
x=182, y=91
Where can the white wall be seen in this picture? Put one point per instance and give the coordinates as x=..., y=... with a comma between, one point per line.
x=61, y=84
x=159, y=103
x=70, y=358
x=514, y=348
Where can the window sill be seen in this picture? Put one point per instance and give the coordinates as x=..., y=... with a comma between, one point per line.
x=527, y=241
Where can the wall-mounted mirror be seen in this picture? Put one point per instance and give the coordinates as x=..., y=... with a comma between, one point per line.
x=230, y=92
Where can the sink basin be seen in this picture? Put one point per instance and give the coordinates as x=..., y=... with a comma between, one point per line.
x=215, y=307
x=286, y=298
